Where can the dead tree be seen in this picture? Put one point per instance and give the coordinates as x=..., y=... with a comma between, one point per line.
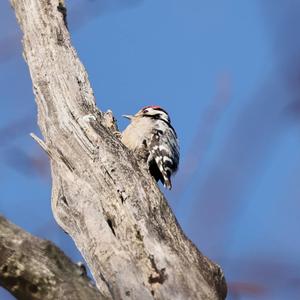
x=102, y=196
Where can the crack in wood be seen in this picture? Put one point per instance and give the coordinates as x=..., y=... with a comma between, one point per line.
x=65, y=161
x=110, y=224
x=60, y=37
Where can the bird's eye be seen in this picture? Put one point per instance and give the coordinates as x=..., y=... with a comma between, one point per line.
x=145, y=111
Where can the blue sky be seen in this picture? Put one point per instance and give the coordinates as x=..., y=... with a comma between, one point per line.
x=227, y=73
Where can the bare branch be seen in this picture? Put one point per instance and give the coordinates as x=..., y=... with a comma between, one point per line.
x=32, y=268
x=101, y=195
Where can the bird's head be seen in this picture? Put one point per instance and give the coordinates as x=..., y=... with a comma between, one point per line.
x=154, y=112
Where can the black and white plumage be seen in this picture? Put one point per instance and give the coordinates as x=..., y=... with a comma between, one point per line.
x=151, y=130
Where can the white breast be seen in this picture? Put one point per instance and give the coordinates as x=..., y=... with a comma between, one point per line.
x=136, y=132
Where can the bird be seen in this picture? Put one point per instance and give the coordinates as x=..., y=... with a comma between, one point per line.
x=150, y=132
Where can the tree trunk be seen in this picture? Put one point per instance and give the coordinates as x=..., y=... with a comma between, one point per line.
x=101, y=194
x=35, y=269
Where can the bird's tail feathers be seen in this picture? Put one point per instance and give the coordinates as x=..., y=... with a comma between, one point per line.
x=167, y=183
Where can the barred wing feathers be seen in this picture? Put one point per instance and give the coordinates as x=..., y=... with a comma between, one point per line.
x=164, y=155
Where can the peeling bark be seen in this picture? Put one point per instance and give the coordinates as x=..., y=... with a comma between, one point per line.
x=101, y=194
x=33, y=268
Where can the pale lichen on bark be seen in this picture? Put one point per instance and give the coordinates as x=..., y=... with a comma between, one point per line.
x=101, y=195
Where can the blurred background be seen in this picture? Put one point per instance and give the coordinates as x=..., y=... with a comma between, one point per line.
x=228, y=72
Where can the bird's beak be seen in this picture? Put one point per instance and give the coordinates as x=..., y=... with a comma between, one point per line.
x=127, y=116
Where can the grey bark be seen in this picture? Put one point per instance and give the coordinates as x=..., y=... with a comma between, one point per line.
x=33, y=268
x=101, y=194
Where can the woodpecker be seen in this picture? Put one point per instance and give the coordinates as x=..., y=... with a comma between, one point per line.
x=151, y=132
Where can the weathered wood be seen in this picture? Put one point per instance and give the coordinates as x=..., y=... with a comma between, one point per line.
x=101, y=195
x=35, y=269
